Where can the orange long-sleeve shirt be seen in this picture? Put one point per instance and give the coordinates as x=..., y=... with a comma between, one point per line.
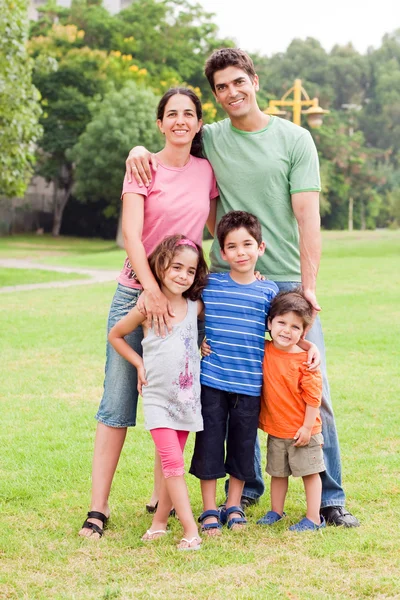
x=287, y=388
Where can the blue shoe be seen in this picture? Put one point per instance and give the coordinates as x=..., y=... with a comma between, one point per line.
x=307, y=525
x=270, y=518
x=205, y=527
x=225, y=513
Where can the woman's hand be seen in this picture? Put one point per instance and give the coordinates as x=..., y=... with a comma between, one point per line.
x=258, y=276
x=141, y=376
x=138, y=165
x=158, y=310
x=205, y=349
x=313, y=358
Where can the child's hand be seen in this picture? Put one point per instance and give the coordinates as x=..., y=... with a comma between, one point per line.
x=258, y=276
x=205, y=349
x=141, y=375
x=313, y=358
x=302, y=436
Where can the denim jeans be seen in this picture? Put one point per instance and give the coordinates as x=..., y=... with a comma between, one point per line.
x=119, y=402
x=332, y=491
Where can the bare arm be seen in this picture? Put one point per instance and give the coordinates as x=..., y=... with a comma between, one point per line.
x=156, y=304
x=116, y=337
x=314, y=355
x=212, y=216
x=138, y=165
x=306, y=210
x=303, y=434
x=200, y=310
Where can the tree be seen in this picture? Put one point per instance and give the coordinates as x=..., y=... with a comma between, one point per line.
x=19, y=101
x=69, y=77
x=352, y=175
x=123, y=119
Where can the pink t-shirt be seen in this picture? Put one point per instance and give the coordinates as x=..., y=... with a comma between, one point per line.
x=176, y=201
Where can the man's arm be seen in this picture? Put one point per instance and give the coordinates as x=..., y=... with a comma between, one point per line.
x=138, y=165
x=306, y=210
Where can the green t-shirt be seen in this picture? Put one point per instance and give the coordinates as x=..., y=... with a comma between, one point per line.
x=257, y=172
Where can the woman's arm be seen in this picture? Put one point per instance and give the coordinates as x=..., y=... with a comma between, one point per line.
x=116, y=337
x=212, y=216
x=156, y=305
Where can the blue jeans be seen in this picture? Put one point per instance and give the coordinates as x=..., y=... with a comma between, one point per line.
x=332, y=491
x=119, y=402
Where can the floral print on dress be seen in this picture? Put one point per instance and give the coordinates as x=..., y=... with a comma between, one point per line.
x=185, y=398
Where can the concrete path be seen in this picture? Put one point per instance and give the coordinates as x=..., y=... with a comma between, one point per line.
x=94, y=275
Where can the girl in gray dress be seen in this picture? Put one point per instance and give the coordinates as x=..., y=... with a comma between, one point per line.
x=169, y=375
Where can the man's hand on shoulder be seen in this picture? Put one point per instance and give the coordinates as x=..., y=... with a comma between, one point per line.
x=138, y=165
x=312, y=298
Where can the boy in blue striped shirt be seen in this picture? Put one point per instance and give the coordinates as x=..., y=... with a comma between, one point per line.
x=236, y=309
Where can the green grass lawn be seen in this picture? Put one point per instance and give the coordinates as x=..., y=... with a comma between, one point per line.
x=52, y=359
x=23, y=276
x=64, y=251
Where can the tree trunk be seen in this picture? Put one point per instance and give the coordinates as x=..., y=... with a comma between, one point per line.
x=351, y=205
x=60, y=204
x=120, y=239
x=60, y=198
x=362, y=217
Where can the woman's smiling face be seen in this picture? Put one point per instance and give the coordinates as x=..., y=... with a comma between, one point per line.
x=180, y=122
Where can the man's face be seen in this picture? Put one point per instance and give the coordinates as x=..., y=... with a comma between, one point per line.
x=235, y=92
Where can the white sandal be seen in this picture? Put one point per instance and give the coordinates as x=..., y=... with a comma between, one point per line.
x=189, y=547
x=155, y=535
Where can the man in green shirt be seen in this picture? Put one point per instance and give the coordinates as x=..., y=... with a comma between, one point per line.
x=268, y=167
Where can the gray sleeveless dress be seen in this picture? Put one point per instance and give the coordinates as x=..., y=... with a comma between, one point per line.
x=172, y=364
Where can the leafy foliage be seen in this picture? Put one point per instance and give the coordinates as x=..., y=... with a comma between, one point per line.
x=359, y=144
x=84, y=53
x=124, y=118
x=19, y=106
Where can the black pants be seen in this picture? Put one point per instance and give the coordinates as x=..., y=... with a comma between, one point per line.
x=209, y=460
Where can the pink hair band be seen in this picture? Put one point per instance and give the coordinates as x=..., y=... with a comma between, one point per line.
x=186, y=242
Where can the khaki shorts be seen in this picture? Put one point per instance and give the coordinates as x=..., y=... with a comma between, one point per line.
x=284, y=459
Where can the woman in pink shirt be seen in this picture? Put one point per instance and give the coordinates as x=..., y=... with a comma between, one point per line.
x=180, y=199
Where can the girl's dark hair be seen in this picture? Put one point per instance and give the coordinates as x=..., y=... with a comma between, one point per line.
x=197, y=148
x=161, y=259
x=292, y=301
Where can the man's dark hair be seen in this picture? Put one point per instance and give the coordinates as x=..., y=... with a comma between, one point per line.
x=235, y=220
x=292, y=301
x=228, y=57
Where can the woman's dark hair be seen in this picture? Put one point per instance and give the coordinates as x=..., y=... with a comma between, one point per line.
x=197, y=148
x=161, y=259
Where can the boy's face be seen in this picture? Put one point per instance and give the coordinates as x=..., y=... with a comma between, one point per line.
x=235, y=92
x=286, y=330
x=241, y=250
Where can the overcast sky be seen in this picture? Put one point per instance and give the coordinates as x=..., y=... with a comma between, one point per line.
x=269, y=26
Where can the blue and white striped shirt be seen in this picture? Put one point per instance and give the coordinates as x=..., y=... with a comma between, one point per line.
x=235, y=320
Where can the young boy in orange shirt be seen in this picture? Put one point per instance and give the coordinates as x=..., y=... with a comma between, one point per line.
x=290, y=402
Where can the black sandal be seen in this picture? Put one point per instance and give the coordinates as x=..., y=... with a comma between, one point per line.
x=93, y=514
x=152, y=508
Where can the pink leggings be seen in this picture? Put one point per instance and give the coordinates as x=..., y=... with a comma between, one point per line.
x=170, y=445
